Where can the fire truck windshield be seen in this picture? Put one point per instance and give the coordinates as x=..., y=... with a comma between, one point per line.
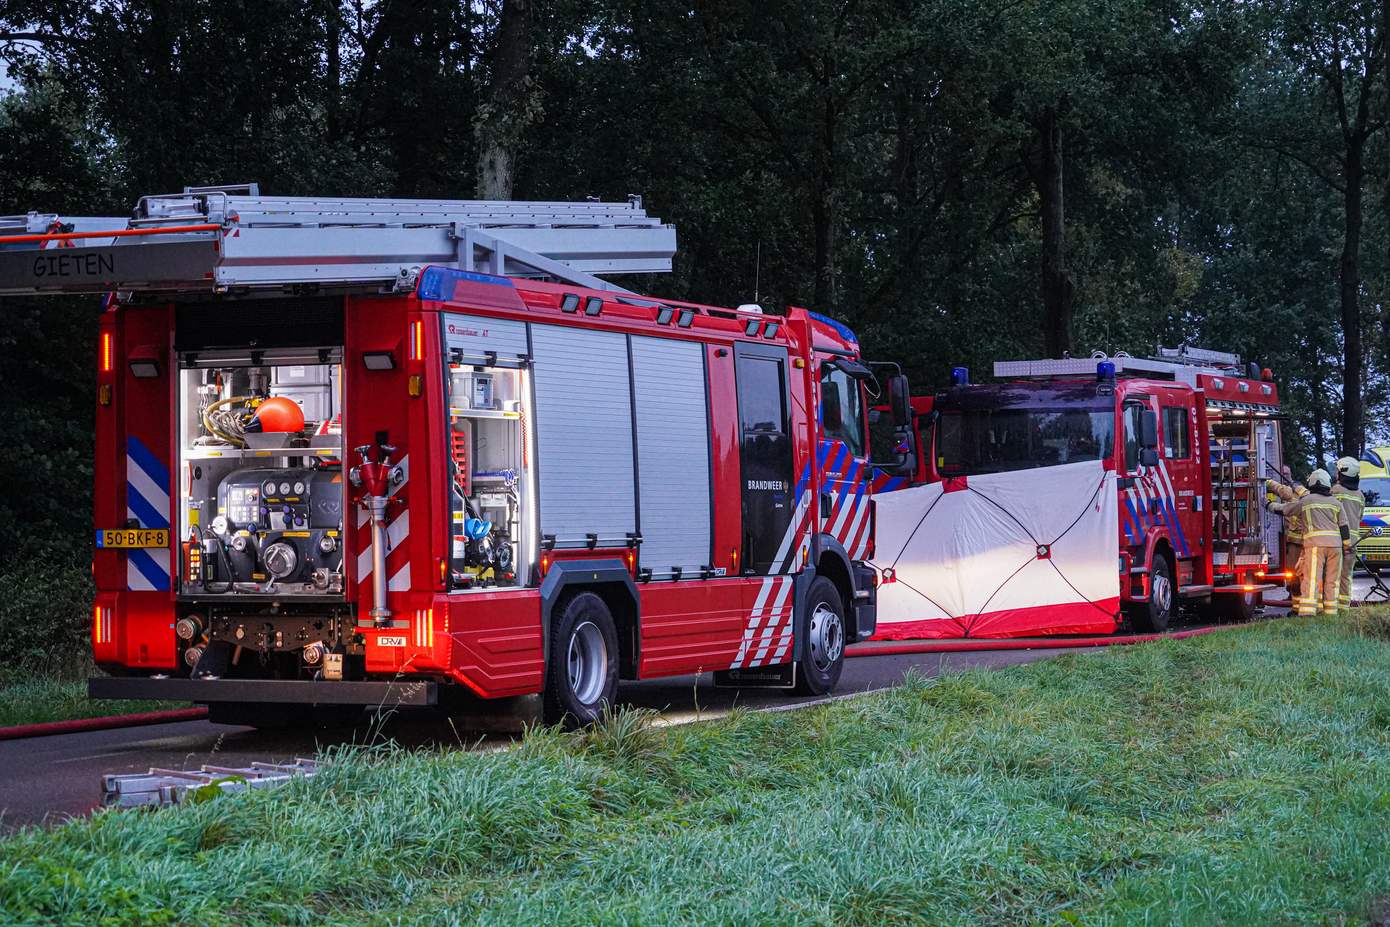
x=993, y=437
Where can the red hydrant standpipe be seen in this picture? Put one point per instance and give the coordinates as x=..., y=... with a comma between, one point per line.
x=377, y=477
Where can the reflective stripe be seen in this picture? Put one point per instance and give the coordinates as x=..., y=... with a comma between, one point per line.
x=147, y=501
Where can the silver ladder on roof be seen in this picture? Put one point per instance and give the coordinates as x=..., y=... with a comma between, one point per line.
x=232, y=239
x=1181, y=364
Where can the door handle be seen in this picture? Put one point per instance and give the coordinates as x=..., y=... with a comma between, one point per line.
x=825, y=504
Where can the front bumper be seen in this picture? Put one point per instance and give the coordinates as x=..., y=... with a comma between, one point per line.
x=387, y=693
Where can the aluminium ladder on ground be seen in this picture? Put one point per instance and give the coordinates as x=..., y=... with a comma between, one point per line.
x=172, y=786
x=233, y=240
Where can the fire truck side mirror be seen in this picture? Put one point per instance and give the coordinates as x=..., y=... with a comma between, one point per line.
x=900, y=400
x=1148, y=429
x=904, y=464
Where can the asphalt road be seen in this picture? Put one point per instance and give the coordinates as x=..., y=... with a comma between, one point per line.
x=46, y=779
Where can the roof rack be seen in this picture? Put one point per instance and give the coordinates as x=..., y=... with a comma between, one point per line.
x=232, y=239
x=1182, y=364
x=1200, y=357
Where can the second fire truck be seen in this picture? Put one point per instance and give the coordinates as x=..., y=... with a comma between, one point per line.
x=1191, y=434
x=354, y=452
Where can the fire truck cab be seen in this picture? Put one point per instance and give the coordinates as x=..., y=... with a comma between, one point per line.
x=1191, y=436
x=359, y=452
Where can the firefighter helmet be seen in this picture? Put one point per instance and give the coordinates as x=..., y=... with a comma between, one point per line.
x=1349, y=467
x=1318, y=478
x=277, y=414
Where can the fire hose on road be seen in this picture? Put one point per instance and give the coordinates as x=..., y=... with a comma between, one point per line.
x=1015, y=643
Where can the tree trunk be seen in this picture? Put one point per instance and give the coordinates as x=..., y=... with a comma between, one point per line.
x=1057, y=286
x=1319, y=420
x=333, y=41
x=824, y=210
x=1353, y=434
x=905, y=182
x=823, y=216
x=502, y=120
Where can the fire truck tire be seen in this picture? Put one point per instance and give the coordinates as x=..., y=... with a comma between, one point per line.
x=1154, y=615
x=823, y=651
x=1235, y=607
x=1246, y=606
x=581, y=673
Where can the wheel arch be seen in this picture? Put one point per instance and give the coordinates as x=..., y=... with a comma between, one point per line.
x=1162, y=546
x=609, y=579
x=832, y=561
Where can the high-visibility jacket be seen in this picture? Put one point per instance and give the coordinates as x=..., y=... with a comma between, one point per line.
x=1324, y=520
x=1353, y=504
x=1293, y=521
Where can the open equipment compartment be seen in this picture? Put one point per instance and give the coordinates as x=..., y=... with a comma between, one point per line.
x=1244, y=450
x=488, y=479
x=262, y=490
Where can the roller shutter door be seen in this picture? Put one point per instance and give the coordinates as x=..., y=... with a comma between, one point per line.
x=583, y=434
x=672, y=454
x=475, y=336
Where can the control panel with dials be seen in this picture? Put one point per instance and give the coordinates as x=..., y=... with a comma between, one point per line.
x=292, y=499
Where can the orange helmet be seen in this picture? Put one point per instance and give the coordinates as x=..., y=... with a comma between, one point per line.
x=278, y=413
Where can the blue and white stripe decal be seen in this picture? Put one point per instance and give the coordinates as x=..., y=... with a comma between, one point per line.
x=1170, y=496
x=147, y=501
x=1150, y=503
x=1129, y=523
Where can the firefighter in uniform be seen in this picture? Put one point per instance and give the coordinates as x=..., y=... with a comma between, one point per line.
x=1346, y=491
x=1325, y=534
x=1293, y=526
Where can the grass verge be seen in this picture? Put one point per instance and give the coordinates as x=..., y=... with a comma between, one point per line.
x=1237, y=778
x=35, y=701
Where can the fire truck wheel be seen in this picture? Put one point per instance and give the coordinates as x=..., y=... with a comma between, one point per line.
x=581, y=674
x=823, y=653
x=1154, y=615
x=1233, y=606
x=1239, y=607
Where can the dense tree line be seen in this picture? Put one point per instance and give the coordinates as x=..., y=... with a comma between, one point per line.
x=958, y=181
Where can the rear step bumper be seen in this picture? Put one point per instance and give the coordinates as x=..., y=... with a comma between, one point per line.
x=387, y=694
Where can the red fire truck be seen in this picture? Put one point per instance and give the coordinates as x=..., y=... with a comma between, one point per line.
x=355, y=452
x=1191, y=434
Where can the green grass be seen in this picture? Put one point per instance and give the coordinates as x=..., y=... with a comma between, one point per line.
x=1237, y=778
x=32, y=701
